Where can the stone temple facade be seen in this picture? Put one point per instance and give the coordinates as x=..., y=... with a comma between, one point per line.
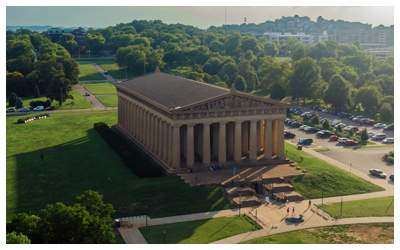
x=182, y=123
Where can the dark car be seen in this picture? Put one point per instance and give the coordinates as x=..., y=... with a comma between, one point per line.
x=10, y=110
x=324, y=133
x=305, y=141
x=288, y=134
x=289, y=122
x=87, y=94
x=51, y=108
x=389, y=127
x=391, y=177
x=105, y=72
x=377, y=172
x=313, y=130
x=351, y=117
x=295, y=124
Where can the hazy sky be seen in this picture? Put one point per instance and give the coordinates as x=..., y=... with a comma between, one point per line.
x=202, y=16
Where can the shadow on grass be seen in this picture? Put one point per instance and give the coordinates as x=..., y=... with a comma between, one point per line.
x=235, y=218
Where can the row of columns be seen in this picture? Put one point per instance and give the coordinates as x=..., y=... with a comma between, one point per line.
x=163, y=139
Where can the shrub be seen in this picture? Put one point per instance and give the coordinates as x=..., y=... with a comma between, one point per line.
x=326, y=124
x=364, y=135
x=34, y=104
x=315, y=118
x=134, y=159
x=306, y=118
x=36, y=92
x=19, y=104
x=351, y=132
x=339, y=129
x=13, y=98
x=390, y=159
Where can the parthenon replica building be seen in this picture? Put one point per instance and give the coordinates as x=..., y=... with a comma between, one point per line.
x=182, y=123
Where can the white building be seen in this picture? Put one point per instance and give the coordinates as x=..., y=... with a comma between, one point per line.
x=306, y=39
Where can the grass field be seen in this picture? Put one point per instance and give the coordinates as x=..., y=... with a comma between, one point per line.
x=375, y=233
x=383, y=206
x=89, y=73
x=112, y=68
x=177, y=71
x=260, y=92
x=100, y=88
x=80, y=102
x=323, y=173
x=199, y=231
x=109, y=100
x=77, y=159
x=284, y=59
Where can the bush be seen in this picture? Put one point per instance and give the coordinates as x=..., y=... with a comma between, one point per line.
x=19, y=104
x=306, y=118
x=36, y=92
x=133, y=158
x=13, y=98
x=315, y=118
x=351, y=132
x=364, y=135
x=21, y=120
x=390, y=159
x=326, y=124
x=45, y=104
x=339, y=129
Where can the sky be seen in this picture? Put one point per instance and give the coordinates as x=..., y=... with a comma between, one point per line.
x=200, y=16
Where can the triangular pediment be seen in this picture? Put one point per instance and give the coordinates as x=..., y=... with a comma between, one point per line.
x=233, y=101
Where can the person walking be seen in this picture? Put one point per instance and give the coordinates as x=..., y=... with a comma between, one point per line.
x=196, y=179
x=287, y=214
x=293, y=213
x=309, y=203
x=234, y=171
x=41, y=156
x=239, y=175
x=232, y=183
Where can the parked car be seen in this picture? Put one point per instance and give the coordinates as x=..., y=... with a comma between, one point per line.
x=105, y=73
x=371, y=134
x=334, y=138
x=364, y=120
x=391, y=177
x=51, y=108
x=286, y=120
x=87, y=94
x=388, y=140
x=343, y=125
x=342, y=140
x=351, y=143
x=305, y=113
x=307, y=128
x=10, y=110
x=39, y=108
x=371, y=122
x=324, y=133
x=358, y=132
x=289, y=122
x=305, y=141
x=351, y=117
x=378, y=172
x=302, y=127
x=312, y=130
x=295, y=124
x=348, y=128
x=288, y=134
x=380, y=136
x=379, y=125
x=24, y=110
x=389, y=127
x=344, y=115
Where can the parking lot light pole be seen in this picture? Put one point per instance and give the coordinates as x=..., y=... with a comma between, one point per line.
x=164, y=236
x=322, y=195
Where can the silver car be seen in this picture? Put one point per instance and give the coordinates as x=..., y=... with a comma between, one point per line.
x=379, y=136
x=388, y=140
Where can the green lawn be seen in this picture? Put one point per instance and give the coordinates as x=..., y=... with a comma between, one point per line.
x=77, y=159
x=109, y=100
x=323, y=173
x=294, y=237
x=100, y=88
x=112, y=68
x=260, y=92
x=383, y=206
x=382, y=146
x=199, y=231
x=80, y=102
x=89, y=72
x=284, y=59
x=177, y=71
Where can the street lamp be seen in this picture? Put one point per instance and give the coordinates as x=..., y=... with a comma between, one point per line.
x=322, y=195
x=164, y=236
x=61, y=98
x=146, y=216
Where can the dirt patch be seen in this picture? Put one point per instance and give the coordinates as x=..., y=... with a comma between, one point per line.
x=126, y=224
x=356, y=234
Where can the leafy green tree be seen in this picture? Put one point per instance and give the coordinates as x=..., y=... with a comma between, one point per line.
x=351, y=132
x=13, y=98
x=369, y=97
x=240, y=83
x=94, y=204
x=53, y=50
x=229, y=69
x=212, y=66
x=216, y=46
x=19, y=104
x=277, y=92
x=329, y=67
x=232, y=43
x=364, y=78
x=384, y=68
x=306, y=118
x=15, y=83
x=71, y=69
x=197, y=68
x=274, y=72
x=36, y=92
x=22, y=64
x=306, y=78
x=347, y=50
x=250, y=43
x=315, y=119
x=16, y=48
x=14, y=238
x=270, y=49
x=338, y=91
x=318, y=51
x=349, y=74
x=221, y=84
x=27, y=225
x=364, y=135
x=95, y=42
x=339, y=129
x=68, y=42
x=388, y=99
x=326, y=124
x=359, y=61
x=194, y=75
x=299, y=53
x=243, y=67
x=251, y=80
x=386, y=112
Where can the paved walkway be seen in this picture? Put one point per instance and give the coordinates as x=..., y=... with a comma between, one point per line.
x=269, y=231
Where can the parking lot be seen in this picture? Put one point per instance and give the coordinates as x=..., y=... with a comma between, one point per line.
x=361, y=159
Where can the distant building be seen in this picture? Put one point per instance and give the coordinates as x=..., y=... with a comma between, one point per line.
x=373, y=38
x=320, y=37
x=302, y=37
x=79, y=35
x=380, y=53
x=290, y=24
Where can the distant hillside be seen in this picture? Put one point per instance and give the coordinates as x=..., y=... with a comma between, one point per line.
x=42, y=28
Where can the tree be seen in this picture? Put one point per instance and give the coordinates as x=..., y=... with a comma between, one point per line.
x=274, y=72
x=14, y=238
x=194, y=75
x=328, y=68
x=386, y=112
x=339, y=128
x=364, y=135
x=299, y=53
x=197, y=68
x=21, y=64
x=240, y=83
x=326, y=124
x=13, y=98
x=19, y=104
x=68, y=42
x=15, y=83
x=71, y=69
x=221, y=84
x=16, y=48
x=359, y=61
x=27, y=225
x=251, y=80
x=351, y=132
x=369, y=97
x=338, y=91
x=315, y=119
x=36, y=92
x=212, y=66
x=306, y=118
x=229, y=69
x=232, y=43
x=95, y=42
x=94, y=204
x=270, y=49
x=349, y=74
x=306, y=78
x=277, y=92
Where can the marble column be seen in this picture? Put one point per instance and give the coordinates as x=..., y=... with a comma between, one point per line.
x=141, y=124
x=130, y=118
x=275, y=137
x=189, y=145
x=206, y=143
x=215, y=138
x=148, y=129
x=119, y=110
x=245, y=137
x=136, y=121
x=238, y=141
x=268, y=139
x=222, y=142
x=230, y=134
x=156, y=130
x=170, y=136
x=151, y=134
x=261, y=135
x=175, y=147
x=165, y=141
x=253, y=140
x=160, y=138
x=281, y=140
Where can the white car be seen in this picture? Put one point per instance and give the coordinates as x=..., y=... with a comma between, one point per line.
x=348, y=128
x=371, y=134
x=379, y=125
x=380, y=136
x=342, y=140
x=357, y=117
x=333, y=123
x=343, y=125
x=38, y=108
x=307, y=128
x=388, y=140
x=302, y=127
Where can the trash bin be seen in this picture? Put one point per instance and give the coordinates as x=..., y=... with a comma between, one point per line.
x=117, y=223
x=299, y=147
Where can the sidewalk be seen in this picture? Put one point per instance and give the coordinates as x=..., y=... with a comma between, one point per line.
x=269, y=231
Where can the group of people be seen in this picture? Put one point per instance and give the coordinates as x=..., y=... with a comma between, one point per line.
x=213, y=167
x=293, y=210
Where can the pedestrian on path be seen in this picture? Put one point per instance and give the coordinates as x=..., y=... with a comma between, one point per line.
x=232, y=182
x=234, y=171
x=196, y=179
x=309, y=203
x=293, y=213
x=287, y=214
x=239, y=176
x=41, y=156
